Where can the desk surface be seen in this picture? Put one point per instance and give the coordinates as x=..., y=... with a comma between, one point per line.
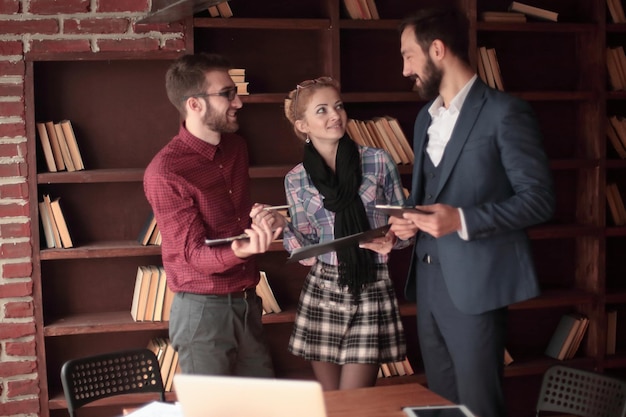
x=386, y=400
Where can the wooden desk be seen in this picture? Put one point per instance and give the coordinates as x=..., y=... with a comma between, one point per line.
x=382, y=401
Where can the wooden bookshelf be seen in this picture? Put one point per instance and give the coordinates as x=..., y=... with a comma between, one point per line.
x=118, y=108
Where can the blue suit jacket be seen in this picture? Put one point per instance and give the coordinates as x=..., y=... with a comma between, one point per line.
x=495, y=169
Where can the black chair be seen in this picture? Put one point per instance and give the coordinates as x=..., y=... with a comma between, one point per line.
x=91, y=378
x=582, y=393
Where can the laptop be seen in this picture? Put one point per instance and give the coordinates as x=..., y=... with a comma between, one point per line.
x=229, y=396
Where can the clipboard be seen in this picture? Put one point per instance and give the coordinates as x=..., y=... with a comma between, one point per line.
x=321, y=248
x=397, y=211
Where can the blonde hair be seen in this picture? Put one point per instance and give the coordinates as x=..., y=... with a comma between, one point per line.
x=298, y=99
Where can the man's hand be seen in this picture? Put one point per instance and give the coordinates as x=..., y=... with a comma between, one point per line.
x=442, y=221
x=382, y=245
x=260, y=238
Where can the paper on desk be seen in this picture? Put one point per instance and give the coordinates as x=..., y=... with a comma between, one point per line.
x=158, y=409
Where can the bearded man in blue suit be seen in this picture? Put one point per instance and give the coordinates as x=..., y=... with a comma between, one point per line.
x=481, y=170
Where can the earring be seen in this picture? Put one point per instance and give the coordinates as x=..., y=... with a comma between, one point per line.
x=307, y=139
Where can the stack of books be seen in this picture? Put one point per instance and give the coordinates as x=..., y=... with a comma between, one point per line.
x=385, y=133
x=567, y=336
x=361, y=9
x=390, y=369
x=54, y=225
x=59, y=145
x=221, y=10
x=152, y=298
x=168, y=360
x=532, y=11
x=238, y=76
x=150, y=233
x=503, y=17
x=489, y=68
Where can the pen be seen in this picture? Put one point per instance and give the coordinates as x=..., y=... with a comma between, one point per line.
x=286, y=206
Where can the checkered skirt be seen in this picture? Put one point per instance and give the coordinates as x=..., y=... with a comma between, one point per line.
x=329, y=327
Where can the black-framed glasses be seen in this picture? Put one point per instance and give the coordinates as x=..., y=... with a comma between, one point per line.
x=228, y=94
x=307, y=84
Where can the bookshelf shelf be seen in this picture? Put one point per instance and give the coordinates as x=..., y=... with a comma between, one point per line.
x=83, y=293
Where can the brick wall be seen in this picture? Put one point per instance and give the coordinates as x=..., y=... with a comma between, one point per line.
x=32, y=26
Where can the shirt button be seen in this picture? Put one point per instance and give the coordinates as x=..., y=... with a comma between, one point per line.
x=230, y=191
x=238, y=219
x=221, y=166
x=243, y=268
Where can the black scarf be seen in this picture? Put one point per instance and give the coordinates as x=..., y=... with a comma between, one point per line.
x=341, y=196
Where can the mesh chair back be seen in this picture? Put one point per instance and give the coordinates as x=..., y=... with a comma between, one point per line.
x=110, y=374
x=582, y=393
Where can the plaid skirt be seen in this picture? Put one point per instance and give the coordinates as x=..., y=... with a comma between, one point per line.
x=329, y=327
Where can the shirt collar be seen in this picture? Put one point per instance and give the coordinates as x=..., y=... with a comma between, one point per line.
x=196, y=143
x=436, y=108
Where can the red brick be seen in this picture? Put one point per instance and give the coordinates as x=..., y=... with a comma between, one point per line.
x=11, y=108
x=21, y=348
x=12, y=68
x=22, y=387
x=175, y=27
x=15, y=250
x=19, y=190
x=174, y=45
x=136, y=45
x=76, y=45
x=96, y=26
x=10, y=130
x=122, y=6
x=10, y=7
x=11, y=48
x=19, y=27
x=18, y=309
x=15, y=230
x=15, y=331
x=17, y=169
x=11, y=90
x=14, y=210
x=59, y=7
x=17, y=270
x=20, y=407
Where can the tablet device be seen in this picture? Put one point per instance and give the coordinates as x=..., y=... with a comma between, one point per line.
x=438, y=411
x=396, y=211
x=225, y=240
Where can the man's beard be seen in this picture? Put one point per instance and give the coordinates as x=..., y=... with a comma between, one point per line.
x=429, y=85
x=219, y=122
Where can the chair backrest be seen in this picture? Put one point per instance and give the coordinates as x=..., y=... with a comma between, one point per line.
x=91, y=378
x=582, y=393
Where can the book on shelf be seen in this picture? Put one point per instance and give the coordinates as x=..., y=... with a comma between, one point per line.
x=616, y=204
x=615, y=141
x=140, y=294
x=224, y=9
x=55, y=230
x=399, y=368
x=505, y=17
x=532, y=11
x=152, y=298
x=567, y=336
x=616, y=11
x=168, y=359
x=54, y=144
x=61, y=224
x=263, y=290
x=614, y=70
x=46, y=223
x=65, y=149
x=159, y=301
x=384, y=133
x=214, y=11
x=168, y=298
x=483, y=56
x=611, y=331
x=495, y=68
x=361, y=9
x=70, y=138
x=242, y=88
x=619, y=125
x=147, y=230
x=46, y=146
x=508, y=359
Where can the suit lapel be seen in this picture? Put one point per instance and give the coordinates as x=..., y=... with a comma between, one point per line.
x=464, y=124
x=419, y=149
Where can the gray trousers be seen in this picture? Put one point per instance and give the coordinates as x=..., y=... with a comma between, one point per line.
x=220, y=335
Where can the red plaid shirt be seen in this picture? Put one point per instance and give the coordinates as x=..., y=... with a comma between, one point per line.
x=198, y=191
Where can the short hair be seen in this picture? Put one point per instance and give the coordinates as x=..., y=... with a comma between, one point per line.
x=448, y=25
x=298, y=99
x=187, y=76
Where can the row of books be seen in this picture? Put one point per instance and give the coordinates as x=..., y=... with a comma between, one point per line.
x=616, y=67
x=566, y=338
x=489, y=68
x=221, y=10
x=168, y=360
x=152, y=298
x=238, y=76
x=53, y=222
x=263, y=290
x=385, y=133
x=59, y=145
x=400, y=368
x=150, y=233
x=616, y=204
x=616, y=132
x=616, y=11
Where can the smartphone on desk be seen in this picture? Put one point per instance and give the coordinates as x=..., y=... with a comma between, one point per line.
x=397, y=211
x=438, y=411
